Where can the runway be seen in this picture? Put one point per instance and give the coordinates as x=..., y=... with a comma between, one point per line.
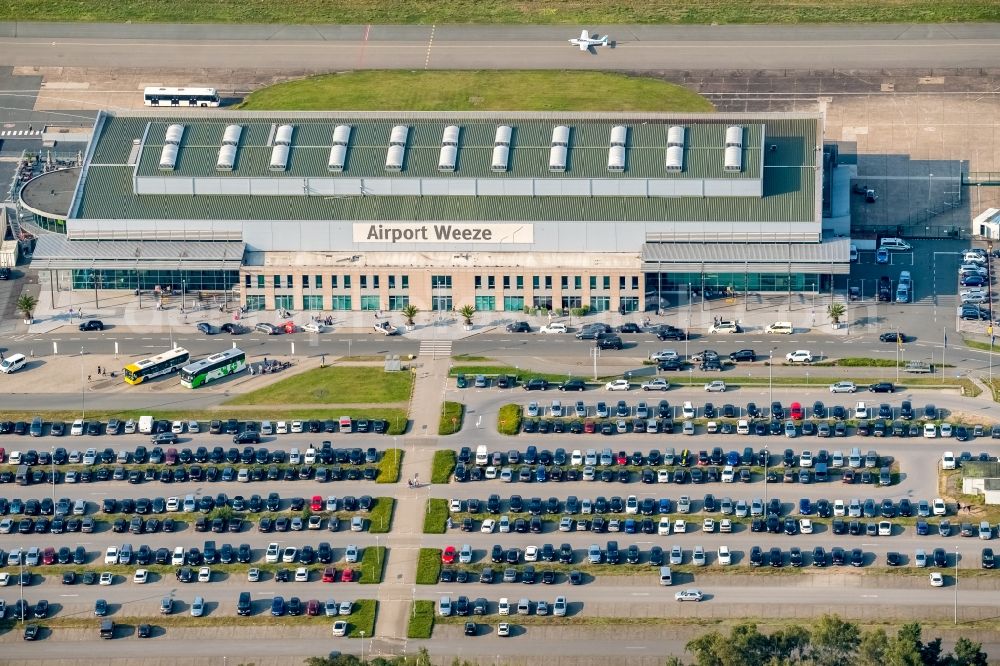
x=334, y=48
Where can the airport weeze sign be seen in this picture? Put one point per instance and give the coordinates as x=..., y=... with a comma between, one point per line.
x=442, y=232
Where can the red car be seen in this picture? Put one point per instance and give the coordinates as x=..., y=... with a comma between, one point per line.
x=329, y=575
x=622, y=458
x=448, y=555
x=49, y=555
x=312, y=608
x=3, y=454
x=288, y=326
x=347, y=576
x=797, y=413
x=316, y=504
x=589, y=426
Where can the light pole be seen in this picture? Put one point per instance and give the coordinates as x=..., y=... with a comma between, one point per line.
x=83, y=389
x=767, y=459
x=770, y=387
x=362, y=646
x=956, y=584
x=52, y=450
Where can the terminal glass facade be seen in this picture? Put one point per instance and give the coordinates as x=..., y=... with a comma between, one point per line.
x=164, y=279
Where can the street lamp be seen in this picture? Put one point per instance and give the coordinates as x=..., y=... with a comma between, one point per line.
x=767, y=459
x=770, y=387
x=362, y=646
x=52, y=450
x=956, y=584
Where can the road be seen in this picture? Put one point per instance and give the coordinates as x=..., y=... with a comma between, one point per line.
x=331, y=48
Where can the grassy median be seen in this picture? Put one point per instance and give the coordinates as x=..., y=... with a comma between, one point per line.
x=436, y=516
x=571, y=13
x=372, y=565
x=380, y=518
x=443, y=466
x=428, y=566
x=452, y=415
x=421, y=623
x=509, y=419
x=362, y=620
x=389, y=466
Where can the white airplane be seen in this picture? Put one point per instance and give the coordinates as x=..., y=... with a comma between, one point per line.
x=585, y=41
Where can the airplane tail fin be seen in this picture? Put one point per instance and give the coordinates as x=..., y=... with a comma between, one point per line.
x=604, y=39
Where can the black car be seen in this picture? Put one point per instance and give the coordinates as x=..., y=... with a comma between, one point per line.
x=893, y=336
x=518, y=327
x=609, y=342
x=573, y=385
x=30, y=631
x=988, y=560
x=536, y=384
x=92, y=325
x=671, y=333
x=743, y=355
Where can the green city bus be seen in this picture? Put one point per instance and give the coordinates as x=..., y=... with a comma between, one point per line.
x=214, y=367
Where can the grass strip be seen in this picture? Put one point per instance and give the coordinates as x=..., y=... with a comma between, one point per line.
x=862, y=362
x=570, y=13
x=436, y=517
x=380, y=518
x=332, y=385
x=428, y=566
x=452, y=414
x=472, y=90
x=389, y=466
x=509, y=419
x=443, y=466
x=421, y=623
x=523, y=374
x=372, y=565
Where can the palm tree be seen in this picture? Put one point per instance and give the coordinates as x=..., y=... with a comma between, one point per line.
x=467, y=311
x=410, y=311
x=26, y=305
x=835, y=311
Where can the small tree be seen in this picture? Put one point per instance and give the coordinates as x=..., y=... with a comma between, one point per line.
x=26, y=305
x=835, y=311
x=410, y=311
x=467, y=311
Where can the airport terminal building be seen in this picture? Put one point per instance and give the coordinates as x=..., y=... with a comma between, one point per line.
x=375, y=211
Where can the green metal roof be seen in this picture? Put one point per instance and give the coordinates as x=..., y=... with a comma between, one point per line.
x=788, y=146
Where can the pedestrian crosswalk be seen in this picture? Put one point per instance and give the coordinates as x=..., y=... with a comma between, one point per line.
x=20, y=133
x=435, y=348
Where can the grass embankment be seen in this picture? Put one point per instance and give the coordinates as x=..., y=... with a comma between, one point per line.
x=389, y=466
x=443, y=466
x=968, y=387
x=428, y=566
x=436, y=518
x=976, y=344
x=510, y=90
x=380, y=518
x=564, y=12
x=509, y=419
x=421, y=620
x=372, y=565
x=333, y=385
x=452, y=414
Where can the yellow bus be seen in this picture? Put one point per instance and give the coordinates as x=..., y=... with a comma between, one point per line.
x=161, y=364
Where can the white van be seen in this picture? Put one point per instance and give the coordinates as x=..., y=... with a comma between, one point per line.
x=13, y=363
x=146, y=425
x=294, y=457
x=482, y=455
x=854, y=253
x=894, y=244
x=780, y=328
x=665, y=576
x=266, y=428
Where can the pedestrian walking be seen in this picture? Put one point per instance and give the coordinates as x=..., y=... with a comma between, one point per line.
x=958, y=507
x=88, y=378
x=1, y=356
x=98, y=369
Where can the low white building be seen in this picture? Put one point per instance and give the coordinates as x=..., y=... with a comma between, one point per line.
x=982, y=478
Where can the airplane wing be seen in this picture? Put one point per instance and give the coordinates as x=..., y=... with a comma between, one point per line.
x=584, y=36
x=584, y=46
